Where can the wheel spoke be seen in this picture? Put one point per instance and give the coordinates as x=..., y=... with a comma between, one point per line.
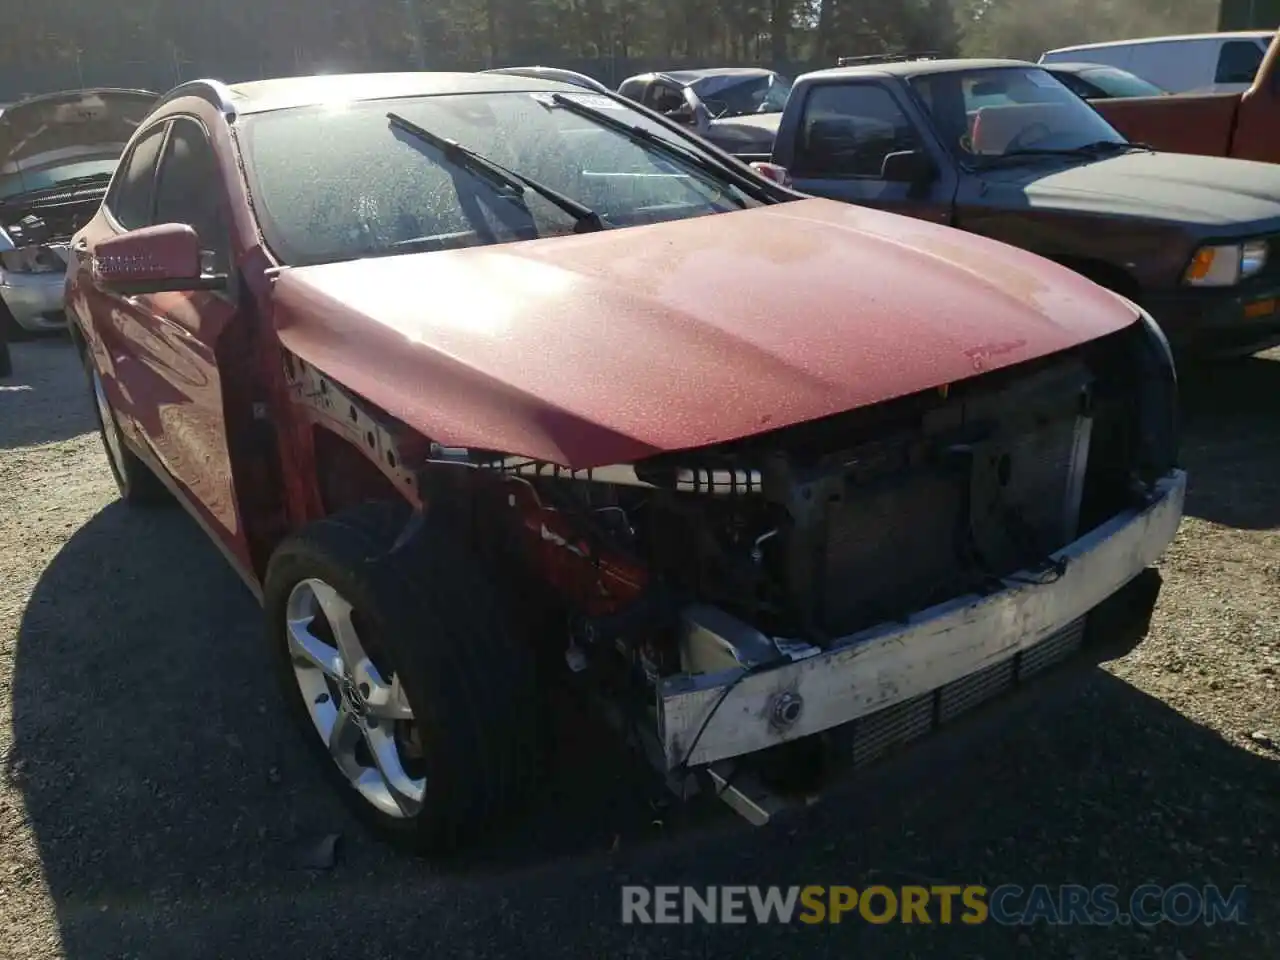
x=404, y=790
x=306, y=648
x=386, y=700
x=338, y=612
x=344, y=739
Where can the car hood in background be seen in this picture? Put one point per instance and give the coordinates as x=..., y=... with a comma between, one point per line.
x=754, y=133
x=77, y=124
x=609, y=347
x=1214, y=194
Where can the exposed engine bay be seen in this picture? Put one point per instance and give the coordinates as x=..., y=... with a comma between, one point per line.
x=41, y=224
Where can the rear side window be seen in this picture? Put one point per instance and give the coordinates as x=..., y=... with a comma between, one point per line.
x=130, y=199
x=1110, y=82
x=189, y=191
x=1238, y=62
x=1077, y=86
x=1115, y=56
x=850, y=129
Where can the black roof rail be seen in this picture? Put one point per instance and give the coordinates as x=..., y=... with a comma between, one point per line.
x=214, y=91
x=886, y=58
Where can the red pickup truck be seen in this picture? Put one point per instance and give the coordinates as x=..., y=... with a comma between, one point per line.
x=1242, y=125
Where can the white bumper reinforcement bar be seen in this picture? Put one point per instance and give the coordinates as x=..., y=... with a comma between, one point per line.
x=710, y=717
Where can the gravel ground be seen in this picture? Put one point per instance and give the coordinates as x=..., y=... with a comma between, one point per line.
x=153, y=803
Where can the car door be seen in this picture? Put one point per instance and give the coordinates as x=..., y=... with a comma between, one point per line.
x=170, y=341
x=846, y=130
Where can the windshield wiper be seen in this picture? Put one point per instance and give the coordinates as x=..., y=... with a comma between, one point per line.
x=1093, y=149
x=1118, y=146
x=638, y=134
x=586, y=220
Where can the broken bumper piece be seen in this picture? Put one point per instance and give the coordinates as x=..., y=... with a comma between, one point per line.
x=706, y=718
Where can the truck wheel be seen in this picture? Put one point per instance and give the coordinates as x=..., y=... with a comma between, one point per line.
x=6, y=358
x=405, y=673
x=138, y=486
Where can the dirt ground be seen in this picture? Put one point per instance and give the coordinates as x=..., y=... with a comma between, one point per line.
x=153, y=803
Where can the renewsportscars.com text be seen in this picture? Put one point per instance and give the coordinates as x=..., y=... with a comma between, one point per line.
x=1182, y=904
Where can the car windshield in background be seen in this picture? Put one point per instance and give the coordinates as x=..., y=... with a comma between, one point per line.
x=338, y=183
x=1118, y=83
x=1025, y=113
x=766, y=94
x=15, y=184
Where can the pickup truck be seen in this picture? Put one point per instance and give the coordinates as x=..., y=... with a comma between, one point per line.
x=1001, y=148
x=1241, y=125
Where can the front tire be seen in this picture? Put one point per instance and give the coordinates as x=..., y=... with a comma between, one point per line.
x=404, y=672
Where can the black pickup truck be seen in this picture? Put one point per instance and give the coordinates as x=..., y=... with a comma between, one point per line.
x=1003, y=149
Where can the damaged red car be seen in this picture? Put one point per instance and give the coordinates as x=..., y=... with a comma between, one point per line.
x=485, y=381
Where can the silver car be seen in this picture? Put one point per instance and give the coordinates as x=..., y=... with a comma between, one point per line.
x=57, y=154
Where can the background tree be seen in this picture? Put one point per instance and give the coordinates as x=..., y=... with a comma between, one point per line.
x=156, y=43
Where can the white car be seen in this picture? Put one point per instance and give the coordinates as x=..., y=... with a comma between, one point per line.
x=1193, y=63
x=57, y=154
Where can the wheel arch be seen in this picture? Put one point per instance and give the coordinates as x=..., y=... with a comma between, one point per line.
x=350, y=451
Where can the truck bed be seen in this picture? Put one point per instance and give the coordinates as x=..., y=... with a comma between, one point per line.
x=1189, y=123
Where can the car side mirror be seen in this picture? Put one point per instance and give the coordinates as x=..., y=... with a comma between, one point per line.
x=166, y=257
x=908, y=166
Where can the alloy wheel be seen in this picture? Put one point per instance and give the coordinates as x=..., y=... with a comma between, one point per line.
x=359, y=711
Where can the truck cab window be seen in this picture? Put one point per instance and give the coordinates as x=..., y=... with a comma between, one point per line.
x=849, y=129
x=662, y=98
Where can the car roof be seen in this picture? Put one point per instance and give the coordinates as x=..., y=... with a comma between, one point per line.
x=692, y=76
x=917, y=68
x=551, y=73
x=1225, y=35
x=689, y=77
x=259, y=96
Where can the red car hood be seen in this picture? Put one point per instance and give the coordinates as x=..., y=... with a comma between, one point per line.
x=608, y=347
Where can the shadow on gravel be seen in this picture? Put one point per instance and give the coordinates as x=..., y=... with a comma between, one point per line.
x=35, y=404
x=167, y=795
x=1231, y=441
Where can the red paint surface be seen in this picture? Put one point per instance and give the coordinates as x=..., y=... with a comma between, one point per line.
x=597, y=579
x=167, y=251
x=609, y=347
x=161, y=356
